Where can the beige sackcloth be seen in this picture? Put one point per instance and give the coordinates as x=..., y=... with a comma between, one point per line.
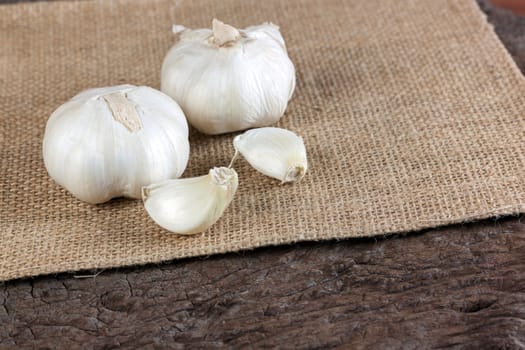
x=412, y=112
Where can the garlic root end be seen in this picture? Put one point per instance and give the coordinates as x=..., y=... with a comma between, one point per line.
x=294, y=173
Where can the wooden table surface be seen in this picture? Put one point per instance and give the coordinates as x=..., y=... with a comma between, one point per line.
x=457, y=287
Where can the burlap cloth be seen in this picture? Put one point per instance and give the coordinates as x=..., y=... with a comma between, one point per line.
x=412, y=112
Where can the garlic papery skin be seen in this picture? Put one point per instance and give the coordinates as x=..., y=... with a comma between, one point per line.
x=275, y=152
x=227, y=79
x=191, y=205
x=110, y=142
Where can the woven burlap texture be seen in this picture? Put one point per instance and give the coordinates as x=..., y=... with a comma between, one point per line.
x=412, y=112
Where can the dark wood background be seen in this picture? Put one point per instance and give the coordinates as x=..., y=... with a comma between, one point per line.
x=459, y=287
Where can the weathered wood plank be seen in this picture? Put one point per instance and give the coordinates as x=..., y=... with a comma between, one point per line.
x=453, y=287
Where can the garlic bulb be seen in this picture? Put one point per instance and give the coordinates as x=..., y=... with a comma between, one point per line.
x=227, y=79
x=275, y=152
x=109, y=142
x=192, y=205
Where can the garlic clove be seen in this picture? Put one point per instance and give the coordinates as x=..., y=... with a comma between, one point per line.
x=275, y=152
x=191, y=205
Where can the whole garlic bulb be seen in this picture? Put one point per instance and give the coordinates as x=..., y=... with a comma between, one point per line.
x=110, y=142
x=191, y=205
x=227, y=79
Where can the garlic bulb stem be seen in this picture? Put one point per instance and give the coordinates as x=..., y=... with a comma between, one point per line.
x=223, y=34
x=123, y=110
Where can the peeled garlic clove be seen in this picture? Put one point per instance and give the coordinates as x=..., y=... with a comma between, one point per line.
x=275, y=152
x=109, y=142
x=192, y=205
x=228, y=79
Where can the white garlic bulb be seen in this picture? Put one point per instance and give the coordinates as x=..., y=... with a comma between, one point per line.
x=110, y=142
x=275, y=152
x=227, y=79
x=191, y=205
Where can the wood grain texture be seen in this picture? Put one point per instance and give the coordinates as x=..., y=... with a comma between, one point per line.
x=457, y=287
x=460, y=287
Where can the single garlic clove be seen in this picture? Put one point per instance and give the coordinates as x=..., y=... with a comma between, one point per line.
x=191, y=205
x=275, y=152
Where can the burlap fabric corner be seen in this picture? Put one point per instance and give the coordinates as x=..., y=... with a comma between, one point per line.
x=412, y=112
